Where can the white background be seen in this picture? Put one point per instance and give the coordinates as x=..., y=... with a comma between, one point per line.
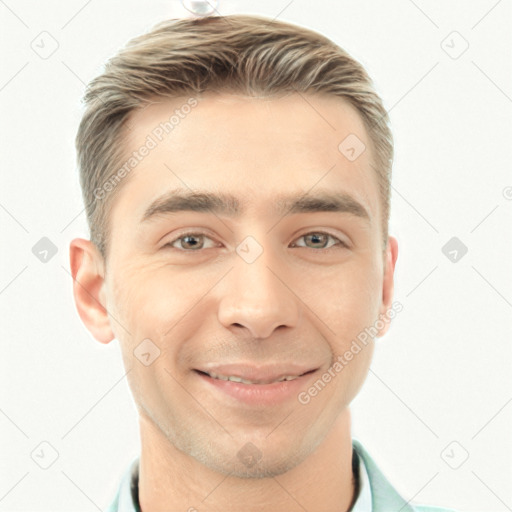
x=442, y=373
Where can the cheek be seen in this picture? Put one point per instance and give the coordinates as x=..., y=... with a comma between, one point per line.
x=347, y=300
x=151, y=301
x=132, y=303
x=355, y=370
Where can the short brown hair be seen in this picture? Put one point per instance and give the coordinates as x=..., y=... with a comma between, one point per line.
x=242, y=54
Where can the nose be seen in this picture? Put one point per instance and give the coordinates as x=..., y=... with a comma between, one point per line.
x=258, y=296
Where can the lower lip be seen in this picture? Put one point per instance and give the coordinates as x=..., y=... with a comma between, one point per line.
x=259, y=394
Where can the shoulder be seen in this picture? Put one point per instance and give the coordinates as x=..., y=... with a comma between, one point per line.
x=114, y=505
x=427, y=508
x=127, y=495
x=384, y=496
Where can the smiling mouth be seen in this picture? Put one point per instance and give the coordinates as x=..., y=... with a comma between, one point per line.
x=235, y=378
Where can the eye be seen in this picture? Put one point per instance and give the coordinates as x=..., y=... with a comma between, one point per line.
x=189, y=242
x=319, y=239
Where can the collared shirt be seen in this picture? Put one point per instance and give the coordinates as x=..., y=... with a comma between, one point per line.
x=375, y=493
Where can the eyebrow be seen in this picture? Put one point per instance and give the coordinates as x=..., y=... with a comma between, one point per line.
x=181, y=200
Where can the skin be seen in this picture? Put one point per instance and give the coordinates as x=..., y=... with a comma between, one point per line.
x=299, y=301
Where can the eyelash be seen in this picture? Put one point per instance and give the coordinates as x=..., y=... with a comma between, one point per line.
x=340, y=245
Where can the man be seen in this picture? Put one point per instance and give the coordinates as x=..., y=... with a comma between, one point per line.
x=236, y=175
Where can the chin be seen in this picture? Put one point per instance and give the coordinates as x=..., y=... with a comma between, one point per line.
x=261, y=459
x=263, y=468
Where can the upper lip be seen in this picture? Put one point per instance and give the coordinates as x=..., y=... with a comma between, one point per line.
x=257, y=374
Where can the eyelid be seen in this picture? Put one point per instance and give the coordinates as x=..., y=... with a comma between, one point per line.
x=183, y=235
x=342, y=243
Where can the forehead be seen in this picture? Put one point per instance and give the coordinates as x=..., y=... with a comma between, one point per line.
x=255, y=149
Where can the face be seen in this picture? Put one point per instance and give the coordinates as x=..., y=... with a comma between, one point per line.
x=270, y=271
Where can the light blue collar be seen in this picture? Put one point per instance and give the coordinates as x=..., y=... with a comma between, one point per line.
x=364, y=499
x=376, y=494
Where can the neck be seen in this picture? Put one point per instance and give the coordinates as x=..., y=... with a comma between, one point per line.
x=172, y=480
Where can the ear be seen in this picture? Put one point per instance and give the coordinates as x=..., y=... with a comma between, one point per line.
x=388, y=282
x=87, y=270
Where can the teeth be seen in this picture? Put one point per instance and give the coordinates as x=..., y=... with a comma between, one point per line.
x=238, y=379
x=215, y=376
x=233, y=378
x=288, y=377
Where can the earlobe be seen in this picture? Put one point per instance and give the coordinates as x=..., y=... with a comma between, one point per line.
x=388, y=282
x=86, y=265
